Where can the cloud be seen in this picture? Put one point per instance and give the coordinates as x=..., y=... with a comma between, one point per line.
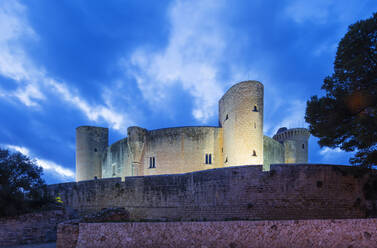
x=315, y=11
x=324, y=11
x=328, y=152
x=33, y=84
x=196, y=45
x=94, y=113
x=47, y=165
x=295, y=112
x=334, y=156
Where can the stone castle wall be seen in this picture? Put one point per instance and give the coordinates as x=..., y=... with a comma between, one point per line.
x=273, y=152
x=30, y=228
x=244, y=192
x=116, y=160
x=181, y=150
x=175, y=150
x=263, y=234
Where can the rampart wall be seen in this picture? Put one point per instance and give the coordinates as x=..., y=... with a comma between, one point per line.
x=30, y=228
x=244, y=192
x=262, y=234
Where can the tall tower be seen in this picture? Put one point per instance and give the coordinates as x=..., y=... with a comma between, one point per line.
x=91, y=142
x=241, y=117
x=295, y=141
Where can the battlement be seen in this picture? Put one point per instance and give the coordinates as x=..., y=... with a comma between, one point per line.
x=291, y=134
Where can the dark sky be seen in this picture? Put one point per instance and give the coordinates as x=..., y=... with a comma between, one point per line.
x=158, y=64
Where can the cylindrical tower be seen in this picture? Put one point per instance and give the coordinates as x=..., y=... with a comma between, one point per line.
x=91, y=142
x=295, y=141
x=136, y=142
x=241, y=117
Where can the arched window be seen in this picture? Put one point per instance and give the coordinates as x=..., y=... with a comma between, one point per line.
x=226, y=159
x=254, y=153
x=255, y=108
x=303, y=146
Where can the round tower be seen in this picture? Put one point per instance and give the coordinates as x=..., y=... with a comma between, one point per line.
x=91, y=142
x=295, y=141
x=136, y=142
x=241, y=117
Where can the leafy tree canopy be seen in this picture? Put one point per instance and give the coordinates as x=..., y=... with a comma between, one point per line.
x=346, y=117
x=21, y=186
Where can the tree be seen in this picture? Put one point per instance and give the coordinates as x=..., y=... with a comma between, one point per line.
x=346, y=117
x=21, y=186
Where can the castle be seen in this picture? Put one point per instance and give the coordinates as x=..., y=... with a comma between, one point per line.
x=238, y=140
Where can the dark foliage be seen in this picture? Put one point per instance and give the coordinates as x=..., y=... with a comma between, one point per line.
x=21, y=187
x=346, y=117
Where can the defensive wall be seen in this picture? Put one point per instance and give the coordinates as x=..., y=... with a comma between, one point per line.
x=31, y=228
x=262, y=234
x=299, y=191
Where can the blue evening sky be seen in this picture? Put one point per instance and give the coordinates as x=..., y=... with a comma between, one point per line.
x=158, y=64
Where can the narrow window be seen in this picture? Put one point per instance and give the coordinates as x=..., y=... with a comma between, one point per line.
x=255, y=108
x=206, y=158
x=113, y=169
x=255, y=125
x=152, y=162
x=95, y=149
x=254, y=153
x=226, y=117
x=222, y=149
x=303, y=146
x=210, y=158
x=226, y=159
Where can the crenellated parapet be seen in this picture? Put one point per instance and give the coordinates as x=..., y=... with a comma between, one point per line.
x=292, y=134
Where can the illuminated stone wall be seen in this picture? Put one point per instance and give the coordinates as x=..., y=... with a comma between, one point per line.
x=175, y=150
x=183, y=149
x=306, y=191
x=357, y=233
x=241, y=117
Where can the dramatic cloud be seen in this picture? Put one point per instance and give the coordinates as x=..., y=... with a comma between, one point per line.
x=33, y=84
x=315, y=11
x=196, y=44
x=294, y=118
x=47, y=165
x=334, y=156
